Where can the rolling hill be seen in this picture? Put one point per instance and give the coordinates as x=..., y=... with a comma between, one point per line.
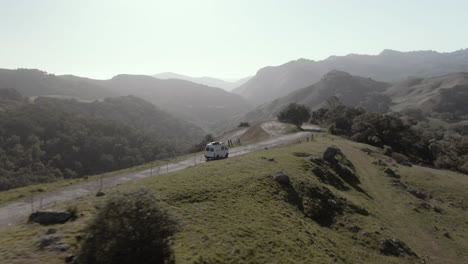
x=276, y=81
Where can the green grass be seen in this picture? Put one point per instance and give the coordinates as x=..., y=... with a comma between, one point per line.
x=28, y=191
x=231, y=211
x=293, y=128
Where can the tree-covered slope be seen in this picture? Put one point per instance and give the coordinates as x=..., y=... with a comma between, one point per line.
x=52, y=139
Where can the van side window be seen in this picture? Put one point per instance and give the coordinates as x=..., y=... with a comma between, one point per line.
x=211, y=149
x=207, y=149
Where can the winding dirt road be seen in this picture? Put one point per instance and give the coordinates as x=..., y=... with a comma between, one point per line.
x=13, y=212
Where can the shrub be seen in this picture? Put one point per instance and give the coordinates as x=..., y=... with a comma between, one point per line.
x=130, y=228
x=73, y=211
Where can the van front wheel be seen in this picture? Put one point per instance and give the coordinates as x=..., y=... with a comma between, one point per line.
x=226, y=156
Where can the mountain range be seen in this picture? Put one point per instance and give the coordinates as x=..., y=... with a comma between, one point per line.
x=276, y=81
x=389, y=81
x=446, y=94
x=209, y=81
x=199, y=104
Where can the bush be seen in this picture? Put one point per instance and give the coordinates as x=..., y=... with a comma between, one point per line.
x=379, y=129
x=445, y=148
x=130, y=228
x=73, y=211
x=295, y=114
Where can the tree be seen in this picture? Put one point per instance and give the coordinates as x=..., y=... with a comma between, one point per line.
x=295, y=114
x=201, y=146
x=130, y=228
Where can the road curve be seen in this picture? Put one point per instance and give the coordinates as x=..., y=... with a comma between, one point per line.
x=13, y=212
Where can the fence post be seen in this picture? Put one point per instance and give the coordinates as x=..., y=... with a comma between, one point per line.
x=32, y=204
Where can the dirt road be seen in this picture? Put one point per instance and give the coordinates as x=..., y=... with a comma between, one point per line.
x=13, y=212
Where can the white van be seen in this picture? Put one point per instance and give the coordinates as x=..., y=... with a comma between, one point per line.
x=216, y=150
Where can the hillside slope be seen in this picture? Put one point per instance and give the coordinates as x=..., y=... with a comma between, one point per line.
x=444, y=94
x=234, y=211
x=276, y=81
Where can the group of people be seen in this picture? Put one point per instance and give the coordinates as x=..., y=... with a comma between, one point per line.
x=230, y=144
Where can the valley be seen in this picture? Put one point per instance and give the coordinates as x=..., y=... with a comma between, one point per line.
x=375, y=174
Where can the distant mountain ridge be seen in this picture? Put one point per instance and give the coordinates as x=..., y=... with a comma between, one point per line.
x=32, y=82
x=209, y=81
x=276, y=81
x=349, y=89
x=199, y=104
x=446, y=94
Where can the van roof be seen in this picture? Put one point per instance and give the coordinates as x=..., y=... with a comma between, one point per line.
x=215, y=143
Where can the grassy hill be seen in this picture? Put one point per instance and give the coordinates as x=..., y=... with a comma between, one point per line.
x=233, y=211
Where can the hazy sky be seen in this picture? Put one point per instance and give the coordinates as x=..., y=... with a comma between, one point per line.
x=227, y=39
